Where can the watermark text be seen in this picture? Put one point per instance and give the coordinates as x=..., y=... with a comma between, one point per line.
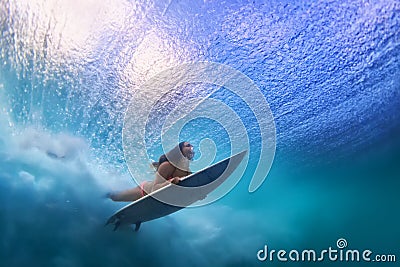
x=330, y=254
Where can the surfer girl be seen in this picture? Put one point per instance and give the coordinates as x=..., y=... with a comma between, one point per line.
x=170, y=167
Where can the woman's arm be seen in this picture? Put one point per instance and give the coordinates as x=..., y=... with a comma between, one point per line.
x=165, y=170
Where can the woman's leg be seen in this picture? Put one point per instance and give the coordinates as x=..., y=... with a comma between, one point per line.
x=127, y=195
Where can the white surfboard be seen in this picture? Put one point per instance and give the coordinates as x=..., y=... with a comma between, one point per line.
x=172, y=198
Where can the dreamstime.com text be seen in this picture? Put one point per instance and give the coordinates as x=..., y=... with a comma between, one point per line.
x=331, y=254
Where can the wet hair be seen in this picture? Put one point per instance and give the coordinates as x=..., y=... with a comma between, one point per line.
x=163, y=158
x=181, y=146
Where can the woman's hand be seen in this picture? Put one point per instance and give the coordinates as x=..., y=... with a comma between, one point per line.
x=175, y=180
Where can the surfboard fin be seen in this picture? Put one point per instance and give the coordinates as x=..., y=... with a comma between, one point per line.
x=116, y=225
x=137, y=226
x=111, y=220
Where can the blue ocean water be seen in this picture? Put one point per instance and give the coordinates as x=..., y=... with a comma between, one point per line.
x=329, y=71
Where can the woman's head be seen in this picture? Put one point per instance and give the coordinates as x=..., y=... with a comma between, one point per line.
x=179, y=156
x=186, y=149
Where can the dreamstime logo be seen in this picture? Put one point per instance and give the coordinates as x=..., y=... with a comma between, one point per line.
x=152, y=95
x=331, y=254
x=341, y=243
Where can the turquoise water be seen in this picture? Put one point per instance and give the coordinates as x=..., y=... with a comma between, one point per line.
x=328, y=70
